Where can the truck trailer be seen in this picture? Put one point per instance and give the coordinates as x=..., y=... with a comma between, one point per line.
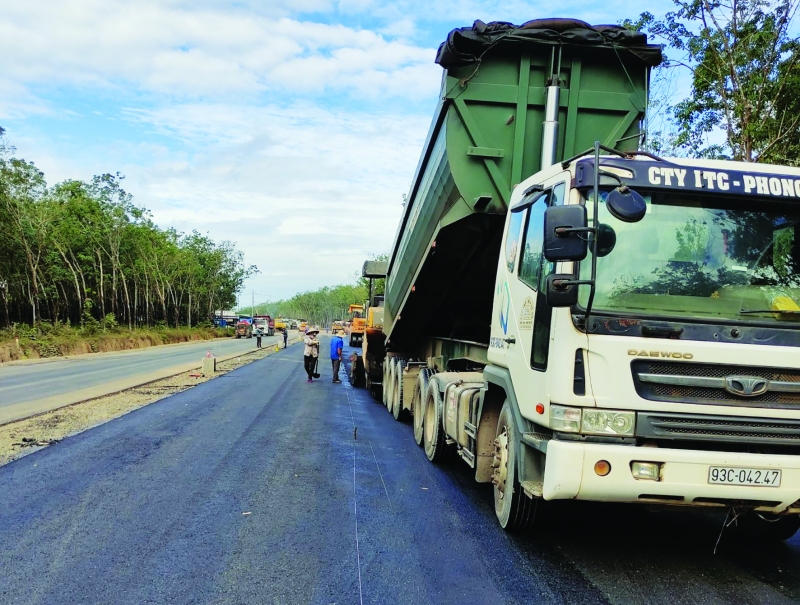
x=577, y=319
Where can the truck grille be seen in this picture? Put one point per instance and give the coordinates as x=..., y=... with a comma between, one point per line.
x=718, y=428
x=706, y=383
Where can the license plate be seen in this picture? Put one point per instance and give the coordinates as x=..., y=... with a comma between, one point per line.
x=727, y=475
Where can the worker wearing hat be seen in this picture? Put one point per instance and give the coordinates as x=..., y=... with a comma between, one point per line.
x=311, y=351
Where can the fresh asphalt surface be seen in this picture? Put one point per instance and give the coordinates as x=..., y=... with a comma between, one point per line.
x=251, y=489
x=29, y=382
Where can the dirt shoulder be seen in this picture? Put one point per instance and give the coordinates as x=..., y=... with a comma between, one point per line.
x=25, y=436
x=71, y=343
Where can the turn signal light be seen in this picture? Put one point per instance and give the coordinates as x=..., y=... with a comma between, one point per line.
x=602, y=468
x=539, y=408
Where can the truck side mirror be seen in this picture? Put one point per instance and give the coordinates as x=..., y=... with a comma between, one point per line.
x=565, y=233
x=606, y=239
x=559, y=294
x=626, y=204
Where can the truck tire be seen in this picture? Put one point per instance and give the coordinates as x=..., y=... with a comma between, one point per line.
x=397, y=400
x=514, y=510
x=385, y=380
x=389, y=387
x=420, y=390
x=763, y=527
x=434, y=440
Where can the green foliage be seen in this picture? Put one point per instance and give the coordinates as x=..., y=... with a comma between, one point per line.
x=89, y=325
x=745, y=66
x=83, y=254
x=321, y=307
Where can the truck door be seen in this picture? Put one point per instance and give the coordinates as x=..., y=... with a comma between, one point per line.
x=522, y=318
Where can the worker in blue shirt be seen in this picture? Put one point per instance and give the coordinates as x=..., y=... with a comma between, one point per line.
x=336, y=357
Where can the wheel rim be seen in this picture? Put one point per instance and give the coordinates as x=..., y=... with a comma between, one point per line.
x=500, y=463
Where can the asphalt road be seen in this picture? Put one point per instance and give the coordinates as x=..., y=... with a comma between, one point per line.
x=251, y=489
x=36, y=387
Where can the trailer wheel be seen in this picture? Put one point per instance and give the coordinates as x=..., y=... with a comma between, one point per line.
x=513, y=508
x=420, y=390
x=763, y=527
x=397, y=404
x=433, y=437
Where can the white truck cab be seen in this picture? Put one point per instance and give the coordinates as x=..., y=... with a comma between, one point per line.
x=653, y=354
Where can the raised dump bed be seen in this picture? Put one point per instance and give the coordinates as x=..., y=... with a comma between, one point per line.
x=487, y=136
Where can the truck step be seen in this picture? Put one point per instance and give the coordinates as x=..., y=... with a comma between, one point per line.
x=468, y=456
x=537, y=440
x=532, y=489
x=471, y=430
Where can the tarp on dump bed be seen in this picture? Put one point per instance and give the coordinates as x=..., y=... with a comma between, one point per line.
x=467, y=45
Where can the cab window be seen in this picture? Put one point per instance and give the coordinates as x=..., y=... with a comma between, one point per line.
x=512, y=239
x=531, y=259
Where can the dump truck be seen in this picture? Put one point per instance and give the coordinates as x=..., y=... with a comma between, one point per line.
x=576, y=319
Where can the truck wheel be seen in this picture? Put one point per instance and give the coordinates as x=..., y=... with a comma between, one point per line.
x=763, y=527
x=513, y=508
x=385, y=380
x=392, y=377
x=433, y=437
x=397, y=403
x=420, y=390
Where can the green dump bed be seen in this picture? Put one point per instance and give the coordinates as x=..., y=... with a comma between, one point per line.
x=486, y=136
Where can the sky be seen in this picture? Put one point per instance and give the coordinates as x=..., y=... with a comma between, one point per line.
x=290, y=127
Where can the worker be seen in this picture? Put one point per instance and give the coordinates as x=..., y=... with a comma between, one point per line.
x=336, y=356
x=285, y=337
x=259, y=334
x=311, y=352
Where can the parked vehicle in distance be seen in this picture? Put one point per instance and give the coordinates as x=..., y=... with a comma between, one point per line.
x=244, y=329
x=293, y=324
x=264, y=324
x=302, y=325
x=338, y=326
x=281, y=324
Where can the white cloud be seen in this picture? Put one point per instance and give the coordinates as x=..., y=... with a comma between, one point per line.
x=290, y=126
x=170, y=49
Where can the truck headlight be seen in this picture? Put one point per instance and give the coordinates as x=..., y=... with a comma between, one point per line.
x=591, y=421
x=564, y=419
x=608, y=422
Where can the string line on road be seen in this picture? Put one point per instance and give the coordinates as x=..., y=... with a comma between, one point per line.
x=355, y=493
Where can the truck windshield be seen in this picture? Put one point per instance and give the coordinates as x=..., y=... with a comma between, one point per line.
x=702, y=257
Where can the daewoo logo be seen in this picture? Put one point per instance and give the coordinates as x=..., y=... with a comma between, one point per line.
x=660, y=354
x=746, y=386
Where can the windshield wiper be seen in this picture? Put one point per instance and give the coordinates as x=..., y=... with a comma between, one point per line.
x=778, y=311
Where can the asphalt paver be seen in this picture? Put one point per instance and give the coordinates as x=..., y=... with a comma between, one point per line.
x=258, y=487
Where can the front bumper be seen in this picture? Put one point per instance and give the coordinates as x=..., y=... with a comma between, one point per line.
x=569, y=474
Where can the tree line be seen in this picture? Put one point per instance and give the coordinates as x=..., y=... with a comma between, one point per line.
x=83, y=251
x=320, y=307
x=743, y=57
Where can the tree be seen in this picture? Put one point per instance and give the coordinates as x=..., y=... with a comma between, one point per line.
x=78, y=250
x=745, y=68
